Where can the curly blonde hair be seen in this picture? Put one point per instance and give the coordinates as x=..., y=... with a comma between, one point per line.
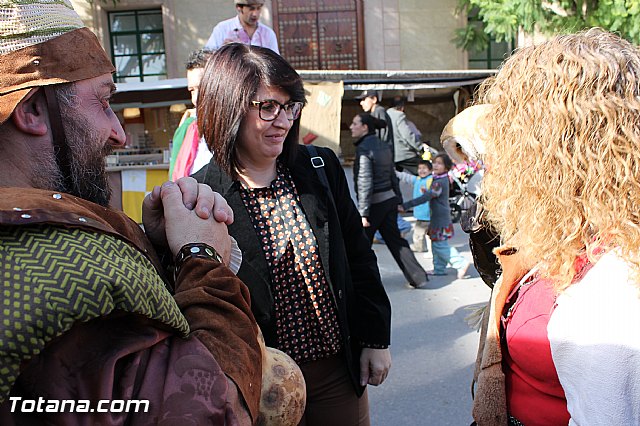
x=563, y=150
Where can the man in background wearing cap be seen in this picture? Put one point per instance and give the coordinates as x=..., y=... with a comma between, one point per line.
x=244, y=28
x=88, y=315
x=369, y=102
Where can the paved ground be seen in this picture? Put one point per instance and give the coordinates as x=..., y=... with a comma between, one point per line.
x=432, y=347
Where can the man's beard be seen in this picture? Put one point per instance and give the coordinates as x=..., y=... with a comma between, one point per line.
x=89, y=178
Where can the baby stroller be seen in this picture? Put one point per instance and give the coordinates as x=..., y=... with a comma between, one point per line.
x=465, y=181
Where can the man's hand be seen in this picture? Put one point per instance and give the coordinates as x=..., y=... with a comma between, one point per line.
x=374, y=366
x=184, y=225
x=365, y=222
x=197, y=197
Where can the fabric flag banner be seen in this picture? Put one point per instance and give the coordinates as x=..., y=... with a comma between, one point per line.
x=136, y=184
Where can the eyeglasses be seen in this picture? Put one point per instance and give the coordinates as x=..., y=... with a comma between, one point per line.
x=269, y=110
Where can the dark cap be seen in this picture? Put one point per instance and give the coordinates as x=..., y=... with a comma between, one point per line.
x=368, y=94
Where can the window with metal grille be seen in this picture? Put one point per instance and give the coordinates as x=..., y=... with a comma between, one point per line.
x=494, y=54
x=137, y=45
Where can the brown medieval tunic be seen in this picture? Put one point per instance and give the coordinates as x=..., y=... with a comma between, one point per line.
x=114, y=331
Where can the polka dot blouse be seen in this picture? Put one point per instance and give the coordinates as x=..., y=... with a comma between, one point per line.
x=306, y=315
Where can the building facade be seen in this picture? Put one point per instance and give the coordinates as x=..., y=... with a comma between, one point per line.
x=327, y=34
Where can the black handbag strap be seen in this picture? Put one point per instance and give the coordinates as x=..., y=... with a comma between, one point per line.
x=318, y=163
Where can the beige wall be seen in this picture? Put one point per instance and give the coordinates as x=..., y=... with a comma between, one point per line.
x=426, y=33
x=382, y=34
x=412, y=35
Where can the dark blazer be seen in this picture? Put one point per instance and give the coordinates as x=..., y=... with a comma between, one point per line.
x=350, y=264
x=373, y=172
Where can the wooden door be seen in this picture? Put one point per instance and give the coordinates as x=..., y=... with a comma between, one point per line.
x=320, y=34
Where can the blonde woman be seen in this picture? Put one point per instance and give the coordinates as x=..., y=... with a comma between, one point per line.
x=562, y=341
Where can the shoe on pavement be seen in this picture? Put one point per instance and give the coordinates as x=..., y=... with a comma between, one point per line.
x=437, y=274
x=423, y=285
x=462, y=272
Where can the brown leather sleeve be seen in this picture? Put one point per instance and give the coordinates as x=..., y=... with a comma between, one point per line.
x=218, y=308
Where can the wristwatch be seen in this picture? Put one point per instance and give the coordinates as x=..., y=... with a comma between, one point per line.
x=195, y=251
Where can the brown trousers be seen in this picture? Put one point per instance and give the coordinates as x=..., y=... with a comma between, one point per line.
x=331, y=398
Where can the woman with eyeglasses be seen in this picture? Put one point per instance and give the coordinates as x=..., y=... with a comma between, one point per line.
x=314, y=282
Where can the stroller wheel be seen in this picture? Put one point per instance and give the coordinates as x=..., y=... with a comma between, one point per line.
x=456, y=212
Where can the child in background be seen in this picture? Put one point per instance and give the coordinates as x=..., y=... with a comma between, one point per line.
x=441, y=227
x=422, y=213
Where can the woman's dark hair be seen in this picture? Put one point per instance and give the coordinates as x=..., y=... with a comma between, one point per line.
x=231, y=79
x=448, y=164
x=371, y=122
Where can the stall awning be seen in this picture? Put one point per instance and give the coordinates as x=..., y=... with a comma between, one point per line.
x=171, y=91
x=151, y=94
x=400, y=79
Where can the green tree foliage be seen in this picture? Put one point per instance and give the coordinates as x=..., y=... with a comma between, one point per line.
x=504, y=18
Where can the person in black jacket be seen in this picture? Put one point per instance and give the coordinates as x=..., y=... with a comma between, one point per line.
x=315, y=287
x=379, y=195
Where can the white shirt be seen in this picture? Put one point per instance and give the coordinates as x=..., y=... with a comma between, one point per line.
x=231, y=29
x=595, y=342
x=203, y=156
